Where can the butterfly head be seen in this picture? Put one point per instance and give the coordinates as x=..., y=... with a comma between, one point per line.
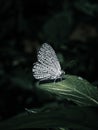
x=62, y=73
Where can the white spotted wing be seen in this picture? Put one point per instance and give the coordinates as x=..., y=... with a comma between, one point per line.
x=48, y=66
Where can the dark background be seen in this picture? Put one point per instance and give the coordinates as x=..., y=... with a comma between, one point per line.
x=70, y=27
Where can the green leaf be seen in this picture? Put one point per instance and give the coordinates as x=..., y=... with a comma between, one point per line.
x=73, y=88
x=69, y=117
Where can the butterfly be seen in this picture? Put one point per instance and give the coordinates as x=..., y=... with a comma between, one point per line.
x=47, y=67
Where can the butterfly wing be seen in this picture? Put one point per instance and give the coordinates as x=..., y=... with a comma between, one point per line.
x=40, y=71
x=47, y=56
x=48, y=66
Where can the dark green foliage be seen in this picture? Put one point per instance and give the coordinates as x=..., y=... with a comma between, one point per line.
x=71, y=117
x=71, y=27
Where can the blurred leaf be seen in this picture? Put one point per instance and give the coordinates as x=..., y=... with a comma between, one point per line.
x=73, y=88
x=86, y=6
x=23, y=81
x=61, y=58
x=69, y=117
x=57, y=29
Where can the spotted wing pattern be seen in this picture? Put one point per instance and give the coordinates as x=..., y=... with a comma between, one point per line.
x=48, y=66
